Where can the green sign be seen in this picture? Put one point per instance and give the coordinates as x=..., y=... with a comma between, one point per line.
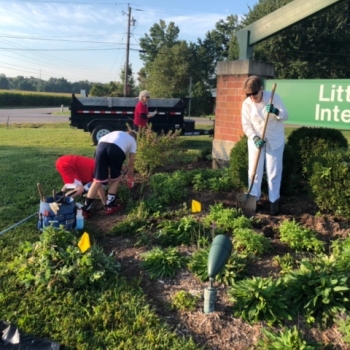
x=315, y=102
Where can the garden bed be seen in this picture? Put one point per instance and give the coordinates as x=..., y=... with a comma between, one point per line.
x=220, y=330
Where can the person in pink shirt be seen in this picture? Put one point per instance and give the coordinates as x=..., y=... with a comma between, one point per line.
x=141, y=113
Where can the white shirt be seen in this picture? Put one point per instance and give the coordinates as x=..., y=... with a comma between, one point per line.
x=253, y=119
x=122, y=139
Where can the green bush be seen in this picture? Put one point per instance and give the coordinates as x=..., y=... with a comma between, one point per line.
x=239, y=164
x=239, y=168
x=329, y=181
x=307, y=143
x=32, y=99
x=154, y=151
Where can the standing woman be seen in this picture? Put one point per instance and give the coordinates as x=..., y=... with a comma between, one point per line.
x=141, y=114
x=255, y=108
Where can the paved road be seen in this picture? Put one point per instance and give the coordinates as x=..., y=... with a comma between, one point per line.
x=44, y=115
x=32, y=115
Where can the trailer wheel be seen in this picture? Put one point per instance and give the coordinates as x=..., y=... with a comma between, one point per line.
x=99, y=131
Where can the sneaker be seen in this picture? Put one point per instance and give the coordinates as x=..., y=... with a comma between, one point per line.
x=113, y=209
x=86, y=213
x=275, y=207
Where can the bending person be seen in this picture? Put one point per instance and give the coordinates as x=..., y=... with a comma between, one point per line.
x=112, y=150
x=77, y=174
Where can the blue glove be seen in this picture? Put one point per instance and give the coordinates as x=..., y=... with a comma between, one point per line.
x=271, y=109
x=259, y=142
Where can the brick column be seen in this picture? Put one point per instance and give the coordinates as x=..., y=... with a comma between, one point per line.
x=229, y=97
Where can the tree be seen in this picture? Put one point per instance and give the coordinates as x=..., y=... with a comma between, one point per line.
x=317, y=47
x=161, y=37
x=219, y=44
x=4, y=83
x=169, y=73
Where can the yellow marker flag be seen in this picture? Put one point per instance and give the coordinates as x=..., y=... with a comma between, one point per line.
x=84, y=243
x=196, y=206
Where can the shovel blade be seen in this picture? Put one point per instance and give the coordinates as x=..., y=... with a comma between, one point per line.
x=247, y=203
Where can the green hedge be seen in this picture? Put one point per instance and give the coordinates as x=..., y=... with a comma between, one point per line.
x=16, y=99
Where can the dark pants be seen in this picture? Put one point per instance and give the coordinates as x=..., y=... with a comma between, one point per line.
x=109, y=157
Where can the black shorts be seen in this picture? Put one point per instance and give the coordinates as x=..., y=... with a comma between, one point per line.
x=109, y=157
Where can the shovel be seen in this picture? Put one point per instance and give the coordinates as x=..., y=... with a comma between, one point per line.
x=245, y=201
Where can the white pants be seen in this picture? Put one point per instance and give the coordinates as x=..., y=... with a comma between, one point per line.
x=273, y=160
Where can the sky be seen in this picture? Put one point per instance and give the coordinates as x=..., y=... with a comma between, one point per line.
x=86, y=39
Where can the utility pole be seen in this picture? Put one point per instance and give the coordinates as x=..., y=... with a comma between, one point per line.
x=127, y=54
x=190, y=93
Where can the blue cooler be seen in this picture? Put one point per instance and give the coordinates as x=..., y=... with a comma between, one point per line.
x=65, y=214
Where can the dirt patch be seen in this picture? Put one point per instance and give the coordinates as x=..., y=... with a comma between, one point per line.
x=220, y=330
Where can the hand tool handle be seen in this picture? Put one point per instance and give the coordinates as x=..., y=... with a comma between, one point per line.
x=262, y=137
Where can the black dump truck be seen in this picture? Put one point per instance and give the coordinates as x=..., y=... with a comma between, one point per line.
x=101, y=115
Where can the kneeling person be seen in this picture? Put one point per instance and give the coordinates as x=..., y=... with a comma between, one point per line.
x=111, y=153
x=77, y=174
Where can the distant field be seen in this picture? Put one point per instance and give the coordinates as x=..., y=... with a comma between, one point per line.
x=36, y=93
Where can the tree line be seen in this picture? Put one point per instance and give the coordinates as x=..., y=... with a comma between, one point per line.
x=39, y=85
x=316, y=48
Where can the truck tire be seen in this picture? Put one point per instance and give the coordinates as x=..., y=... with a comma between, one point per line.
x=99, y=131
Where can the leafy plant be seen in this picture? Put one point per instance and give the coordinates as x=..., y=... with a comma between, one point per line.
x=261, y=299
x=136, y=219
x=184, y=231
x=287, y=339
x=234, y=269
x=162, y=263
x=183, y=301
x=248, y=242
x=343, y=323
x=156, y=150
x=286, y=262
x=310, y=142
x=300, y=238
x=318, y=290
x=168, y=188
x=329, y=182
x=222, y=218
x=56, y=262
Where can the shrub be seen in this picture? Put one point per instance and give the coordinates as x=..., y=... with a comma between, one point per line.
x=155, y=150
x=343, y=323
x=329, y=181
x=238, y=168
x=307, y=143
x=239, y=164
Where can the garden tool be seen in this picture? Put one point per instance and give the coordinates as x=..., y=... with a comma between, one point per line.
x=40, y=190
x=245, y=201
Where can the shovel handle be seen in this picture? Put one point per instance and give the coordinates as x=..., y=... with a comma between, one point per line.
x=40, y=190
x=262, y=136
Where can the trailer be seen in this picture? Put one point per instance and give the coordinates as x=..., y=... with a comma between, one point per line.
x=101, y=115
